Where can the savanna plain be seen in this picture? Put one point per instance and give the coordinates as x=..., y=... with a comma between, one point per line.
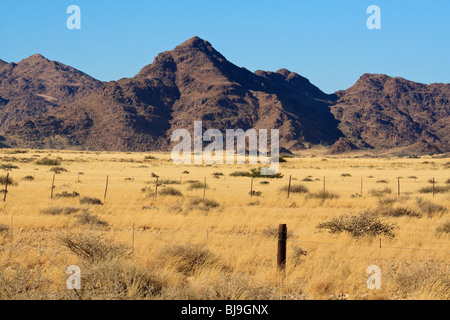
x=141, y=227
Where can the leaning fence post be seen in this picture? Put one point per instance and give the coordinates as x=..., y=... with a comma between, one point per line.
x=433, y=188
x=204, y=190
x=251, y=188
x=6, y=187
x=106, y=188
x=289, y=186
x=281, y=256
x=132, y=242
x=53, y=186
x=361, y=186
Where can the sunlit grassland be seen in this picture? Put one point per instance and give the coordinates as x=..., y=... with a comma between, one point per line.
x=238, y=237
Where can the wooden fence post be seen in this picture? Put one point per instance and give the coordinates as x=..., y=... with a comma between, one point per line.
x=289, y=186
x=251, y=188
x=132, y=242
x=6, y=187
x=53, y=186
x=398, y=186
x=204, y=190
x=11, y=250
x=106, y=188
x=324, y=184
x=361, y=186
x=281, y=256
x=433, y=187
x=156, y=188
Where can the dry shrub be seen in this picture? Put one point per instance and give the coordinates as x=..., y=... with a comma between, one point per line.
x=119, y=279
x=418, y=280
x=23, y=285
x=66, y=194
x=93, y=248
x=364, y=224
x=58, y=169
x=92, y=220
x=189, y=258
x=197, y=185
x=323, y=195
x=207, y=203
x=429, y=208
x=398, y=212
x=107, y=272
x=3, y=180
x=48, y=162
x=169, y=191
x=3, y=229
x=28, y=178
x=437, y=189
x=297, y=255
x=89, y=200
x=380, y=192
x=444, y=227
x=55, y=211
x=295, y=188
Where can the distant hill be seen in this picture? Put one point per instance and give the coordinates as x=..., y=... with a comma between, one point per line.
x=45, y=104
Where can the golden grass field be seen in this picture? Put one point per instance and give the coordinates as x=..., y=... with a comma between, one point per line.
x=183, y=248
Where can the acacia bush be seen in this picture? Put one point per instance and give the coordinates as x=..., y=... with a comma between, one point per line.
x=295, y=188
x=48, y=162
x=364, y=224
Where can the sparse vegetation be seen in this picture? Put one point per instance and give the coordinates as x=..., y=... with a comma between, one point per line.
x=92, y=220
x=66, y=194
x=323, y=195
x=169, y=191
x=56, y=211
x=358, y=226
x=48, y=162
x=138, y=246
x=58, y=169
x=89, y=200
x=295, y=188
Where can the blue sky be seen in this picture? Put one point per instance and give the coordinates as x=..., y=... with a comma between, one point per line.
x=326, y=41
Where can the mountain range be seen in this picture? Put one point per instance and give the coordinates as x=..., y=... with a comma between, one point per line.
x=46, y=104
